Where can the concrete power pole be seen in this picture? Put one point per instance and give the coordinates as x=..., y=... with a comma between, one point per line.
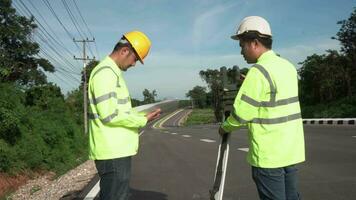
x=85, y=95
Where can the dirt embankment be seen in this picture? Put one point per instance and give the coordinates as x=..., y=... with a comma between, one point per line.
x=11, y=183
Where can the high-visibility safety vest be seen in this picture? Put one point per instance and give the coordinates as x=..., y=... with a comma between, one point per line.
x=113, y=124
x=267, y=103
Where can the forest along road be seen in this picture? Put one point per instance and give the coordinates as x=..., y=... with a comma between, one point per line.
x=178, y=163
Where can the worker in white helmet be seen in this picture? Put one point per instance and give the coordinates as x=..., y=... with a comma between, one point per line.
x=267, y=103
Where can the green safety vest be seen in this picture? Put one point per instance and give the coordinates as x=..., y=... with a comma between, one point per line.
x=113, y=124
x=267, y=103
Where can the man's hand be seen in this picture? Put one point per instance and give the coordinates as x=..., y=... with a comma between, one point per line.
x=153, y=115
x=222, y=131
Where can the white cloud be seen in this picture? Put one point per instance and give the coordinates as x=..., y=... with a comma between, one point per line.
x=207, y=24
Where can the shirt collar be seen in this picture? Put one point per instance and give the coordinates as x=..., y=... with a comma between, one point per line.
x=113, y=65
x=266, y=55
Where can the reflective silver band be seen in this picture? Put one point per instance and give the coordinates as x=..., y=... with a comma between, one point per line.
x=280, y=102
x=110, y=117
x=123, y=101
x=106, y=119
x=107, y=67
x=239, y=119
x=101, y=68
x=269, y=79
x=108, y=96
x=103, y=98
x=277, y=120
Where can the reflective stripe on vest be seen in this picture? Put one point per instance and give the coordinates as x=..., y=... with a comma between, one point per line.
x=107, y=96
x=271, y=103
x=277, y=120
x=104, y=97
x=107, y=67
x=106, y=119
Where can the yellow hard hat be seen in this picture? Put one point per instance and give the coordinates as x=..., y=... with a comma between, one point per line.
x=139, y=42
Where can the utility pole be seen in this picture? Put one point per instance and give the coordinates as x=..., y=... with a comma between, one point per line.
x=85, y=96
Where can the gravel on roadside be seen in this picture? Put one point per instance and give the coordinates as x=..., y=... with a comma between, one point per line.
x=45, y=188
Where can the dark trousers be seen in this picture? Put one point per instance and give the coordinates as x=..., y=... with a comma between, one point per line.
x=276, y=183
x=114, y=178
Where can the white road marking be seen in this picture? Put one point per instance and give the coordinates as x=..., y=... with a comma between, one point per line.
x=183, y=119
x=243, y=149
x=207, y=140
x=174, y=133
x=187, y=136
x=354, y=136
x=159, y=123
x=94, y=191
x=141, y=133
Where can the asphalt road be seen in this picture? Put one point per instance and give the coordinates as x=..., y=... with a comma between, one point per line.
x=178, y=163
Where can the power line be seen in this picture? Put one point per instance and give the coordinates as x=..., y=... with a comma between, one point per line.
x=45, y=51
x=81, y=16
x=72, y=18
x=65, y=76
x=86, y=25
x=48, y=4
x=45, y=35
x=60, y=70
x=60, y=43
x=64, y=59
x=48, y=36
x=49, y=41
x=76, y=24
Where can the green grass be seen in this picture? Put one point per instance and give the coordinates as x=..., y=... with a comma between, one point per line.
x=200, y=116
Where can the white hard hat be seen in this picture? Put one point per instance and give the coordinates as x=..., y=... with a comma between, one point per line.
x=253, y=23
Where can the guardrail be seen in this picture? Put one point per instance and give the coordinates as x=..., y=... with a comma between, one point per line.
x=166, y=106
x=330, y=121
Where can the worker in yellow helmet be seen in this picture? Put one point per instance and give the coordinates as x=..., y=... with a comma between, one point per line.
x=113, y=124
x=267, y=103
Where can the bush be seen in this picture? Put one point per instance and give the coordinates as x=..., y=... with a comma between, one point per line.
x=38, y=131
x=343, y=108
x=184, y=103
x=200, y=116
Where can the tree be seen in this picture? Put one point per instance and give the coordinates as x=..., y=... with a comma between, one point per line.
x=88, y=68
x=347, y=38
x=324, y=78
x=135, y=102
x=214, y=81
x=347, y=35
x=149, y=97
x=198, y=96
x=330, y=76
x=18, y=60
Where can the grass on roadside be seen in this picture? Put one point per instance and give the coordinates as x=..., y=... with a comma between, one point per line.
x=200, y=116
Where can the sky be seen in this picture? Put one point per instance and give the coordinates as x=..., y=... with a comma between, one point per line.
x=190, y=35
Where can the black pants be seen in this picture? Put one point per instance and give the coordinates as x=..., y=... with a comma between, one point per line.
x=276, y=183
x=114, y=178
